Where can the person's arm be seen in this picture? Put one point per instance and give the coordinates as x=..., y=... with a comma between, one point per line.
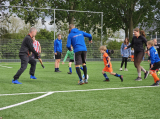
x=152, y=55
x=132, y=43
x=129, y=51
x=55, y=51
x=68, y=45
x=109, y=59
x=39, y=49
x=87, y=35
x=122, y=49
x=65, y=57
x=144, y=40
x=30, y=46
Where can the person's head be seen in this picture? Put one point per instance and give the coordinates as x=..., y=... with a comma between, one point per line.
x=59, y=36
x=142, y=33
x=126, y=41
x=155, y=41
x=33, y=31
x=33, y=38
x=71, y=26
x=150, y=44
x=136, y=32
x=102, y=49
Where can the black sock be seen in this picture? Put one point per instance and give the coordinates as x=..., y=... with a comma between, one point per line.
x=85, y=71
x=79, y=73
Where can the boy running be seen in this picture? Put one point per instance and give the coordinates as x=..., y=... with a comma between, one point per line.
x=108, y=65
x=155, y=62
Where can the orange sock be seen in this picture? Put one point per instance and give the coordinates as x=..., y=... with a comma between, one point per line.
x=155, y=77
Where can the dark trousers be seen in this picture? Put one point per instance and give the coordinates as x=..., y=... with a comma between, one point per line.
x=24, y=62
x=124, y=59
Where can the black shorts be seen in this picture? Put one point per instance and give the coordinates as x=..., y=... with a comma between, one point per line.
x=156, y=66
x=58, y=56
x=80, y=57
x=33, y=56
x=71, y=60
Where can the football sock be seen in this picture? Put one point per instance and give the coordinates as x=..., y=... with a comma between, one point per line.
x=117, y=75
x=70, y=69
x=55, y=69
x=105, y=75
x=81, y=68
x=85, y=71
x=79, y=73
x=155, y=77
x=58, y=69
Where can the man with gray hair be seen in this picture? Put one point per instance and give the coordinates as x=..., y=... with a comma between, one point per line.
x=26, y=48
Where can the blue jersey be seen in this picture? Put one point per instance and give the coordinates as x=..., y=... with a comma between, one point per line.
x=154, y=57
x=76, y=38
x=58, y=45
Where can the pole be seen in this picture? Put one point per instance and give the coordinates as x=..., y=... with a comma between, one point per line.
x=54, y=30
x=101, y=30
x=156, y=35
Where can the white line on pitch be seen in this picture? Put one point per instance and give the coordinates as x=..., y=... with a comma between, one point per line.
x=81, y=90
x=42, y=96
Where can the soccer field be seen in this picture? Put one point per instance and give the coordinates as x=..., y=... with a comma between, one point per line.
x=57, y=95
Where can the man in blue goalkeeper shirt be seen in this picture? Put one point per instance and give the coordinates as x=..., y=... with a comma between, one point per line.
x=76, y=39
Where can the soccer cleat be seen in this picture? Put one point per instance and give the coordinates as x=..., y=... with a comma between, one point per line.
x=120, y=69
x=16, y=82
x=86, y=81
x=125, y=69
x=69, y=72
x=58, y=71
x=32, y=77
x=106, y=80
x=155, y=84
x=43, y=66
x=138, y=79
x=80, y=82
x=146, y=74
x=121, y=77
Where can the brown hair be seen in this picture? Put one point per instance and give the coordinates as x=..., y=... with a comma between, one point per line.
x=142, y=33
x=126, y=43
x=58, y=34
x=103, y=47
x=151, y=42
x=136, y=29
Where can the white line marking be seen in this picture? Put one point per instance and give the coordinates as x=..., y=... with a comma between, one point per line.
x=6, y=66
x=21, y=103
x=81, y=90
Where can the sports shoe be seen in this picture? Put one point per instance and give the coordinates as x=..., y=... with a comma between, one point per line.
x=120, y=69
x=155, y=84
x=138, y=79
x=121, y=77
x=58, y=71
x=43, y=66
x=146, y=74
x=125, y=69
x=80, y=82
x=158, y=72
x=86, y=81
x=69, y=72
x=106, y=80
x=16, y=81
x=32, y=77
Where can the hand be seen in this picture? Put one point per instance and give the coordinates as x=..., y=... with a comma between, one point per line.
x=62, y=62
x=90, y=41
x=122, y=55
x=55, y=53
x=39, y=51
x=125, y=48
x=152, y=66
x=107, y=65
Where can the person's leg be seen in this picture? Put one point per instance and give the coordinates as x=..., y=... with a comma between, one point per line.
x=58, y=62
x=70, y=68
x=24, y=63
x=105, y=75
x=117, y=75
x=33, y=66
x=123, y=59
x=55, y=65
x=83, y=55
x=125, y=62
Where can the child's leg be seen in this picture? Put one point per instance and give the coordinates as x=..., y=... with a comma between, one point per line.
x=154, y=75
x=70, y=68
x=105, y=75
x=117, y=75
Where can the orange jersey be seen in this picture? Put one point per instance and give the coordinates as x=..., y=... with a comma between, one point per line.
x=105, y=59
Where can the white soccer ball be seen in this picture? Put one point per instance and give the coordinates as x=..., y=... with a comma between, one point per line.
x=83, y=77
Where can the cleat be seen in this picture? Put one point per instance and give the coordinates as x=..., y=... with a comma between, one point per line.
x=120, y=69
x=43, y=66
x=16, y=82
x=121, y=77
x=86, y=81
x=146, y=74
x=69, y=72
x=106, y=80
x=125, y=69
x=32, y=77
x=138, y=79
x=80, y=82
x=155, y=84
x=58, y=71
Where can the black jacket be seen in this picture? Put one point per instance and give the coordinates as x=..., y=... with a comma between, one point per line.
x=27, y=46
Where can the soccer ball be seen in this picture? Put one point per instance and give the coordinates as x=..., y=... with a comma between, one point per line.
x=83, y=77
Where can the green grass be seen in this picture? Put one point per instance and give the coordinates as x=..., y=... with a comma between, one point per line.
x=136, y=103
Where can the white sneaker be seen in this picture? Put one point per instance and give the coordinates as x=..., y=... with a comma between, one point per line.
x=120, y=69
x=125, y=69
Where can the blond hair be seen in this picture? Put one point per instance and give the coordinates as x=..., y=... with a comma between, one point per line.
x=103, y=47
x=151, y=42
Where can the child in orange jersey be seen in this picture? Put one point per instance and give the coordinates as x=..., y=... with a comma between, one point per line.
x=108, y=65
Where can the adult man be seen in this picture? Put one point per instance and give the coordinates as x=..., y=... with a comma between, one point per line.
x=26, y=48
x=57, y=52
x=76, y=39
